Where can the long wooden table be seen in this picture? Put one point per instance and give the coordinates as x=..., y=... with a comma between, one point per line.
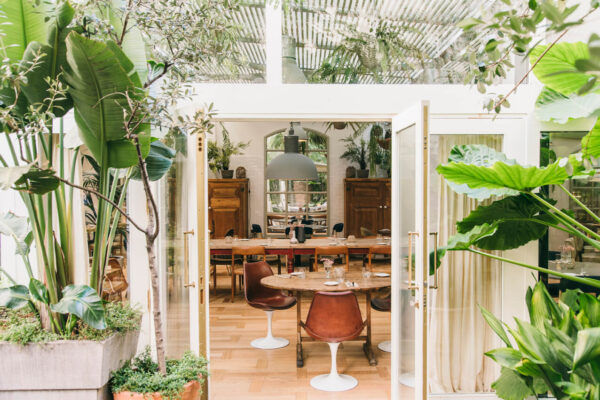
x=314, y=282
x=284, y=247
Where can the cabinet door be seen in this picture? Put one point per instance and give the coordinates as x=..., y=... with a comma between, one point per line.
x=386, y=200
x=364, y=208
x=225, y=210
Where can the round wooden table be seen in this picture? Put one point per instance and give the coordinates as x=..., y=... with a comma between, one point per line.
x=314, y=282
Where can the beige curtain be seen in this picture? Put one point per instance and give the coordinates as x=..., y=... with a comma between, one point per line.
x=458, y=335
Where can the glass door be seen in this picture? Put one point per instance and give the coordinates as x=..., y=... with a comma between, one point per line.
x=409, y=234
x=178, y=248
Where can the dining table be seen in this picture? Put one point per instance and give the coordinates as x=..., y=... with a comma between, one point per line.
x=315, y=282
x=285, y=247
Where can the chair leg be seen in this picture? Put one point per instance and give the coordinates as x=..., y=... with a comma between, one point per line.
x=232, y=286
x=279, y=265
x=333, y=382
x=215, y=279
x=269, y=342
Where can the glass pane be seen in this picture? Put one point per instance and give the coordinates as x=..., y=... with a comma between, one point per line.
x=174, y=217
x=457, y=335
x=276, y=203
x=406, y=158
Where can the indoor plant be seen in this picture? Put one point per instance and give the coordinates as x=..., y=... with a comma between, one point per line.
x=219, y=157
x=357, y=153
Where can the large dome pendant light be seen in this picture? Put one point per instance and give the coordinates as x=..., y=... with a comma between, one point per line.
x=291, y=164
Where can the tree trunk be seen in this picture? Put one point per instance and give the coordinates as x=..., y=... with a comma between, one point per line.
x=158, y=331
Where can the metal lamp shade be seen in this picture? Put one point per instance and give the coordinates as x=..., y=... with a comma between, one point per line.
x=291, y=164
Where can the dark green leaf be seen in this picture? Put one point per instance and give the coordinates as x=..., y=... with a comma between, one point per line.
x=14, y=297
x=84, y=302
x=158, y=162
x=463, y=241
x=39, y=291
x=38, y=181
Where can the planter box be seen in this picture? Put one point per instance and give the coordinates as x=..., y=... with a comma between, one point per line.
x=63, y=370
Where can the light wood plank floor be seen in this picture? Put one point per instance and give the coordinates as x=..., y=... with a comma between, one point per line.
x=241, y=372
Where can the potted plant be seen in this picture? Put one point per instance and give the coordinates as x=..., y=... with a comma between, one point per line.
x=357, y=153
x=92, y=66
x=219, y=157
x=139, y=379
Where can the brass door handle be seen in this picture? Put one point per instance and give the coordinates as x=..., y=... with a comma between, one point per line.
x=435, y=260
x=411, y=285
x=186, y=260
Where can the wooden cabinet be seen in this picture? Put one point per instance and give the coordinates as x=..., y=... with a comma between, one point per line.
x=367, y=204
x=228, y=207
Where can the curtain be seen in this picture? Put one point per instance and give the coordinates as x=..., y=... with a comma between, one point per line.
x=458, y=335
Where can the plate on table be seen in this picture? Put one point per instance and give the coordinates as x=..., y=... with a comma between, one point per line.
x=244, y=240
x=331, y=283
x=381, y=274
x=381, y=243
x=296, y=273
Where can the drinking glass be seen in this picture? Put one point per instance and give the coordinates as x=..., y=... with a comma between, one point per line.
x=339, y=274
x=327, y=268
x=366, y=273
x=235, y=238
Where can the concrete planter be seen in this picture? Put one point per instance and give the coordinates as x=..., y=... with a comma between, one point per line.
x=63, y=370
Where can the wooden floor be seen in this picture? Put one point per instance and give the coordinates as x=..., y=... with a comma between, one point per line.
x=241, y=372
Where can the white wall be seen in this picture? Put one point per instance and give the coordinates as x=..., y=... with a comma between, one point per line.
x=253, y=160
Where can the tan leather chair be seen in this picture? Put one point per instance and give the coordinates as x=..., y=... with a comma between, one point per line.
x=243, y=253
x=334, y=317
x=266, y=299
x=381, y=249
x=331, y=251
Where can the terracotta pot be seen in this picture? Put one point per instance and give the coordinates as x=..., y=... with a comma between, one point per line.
x=191, y=392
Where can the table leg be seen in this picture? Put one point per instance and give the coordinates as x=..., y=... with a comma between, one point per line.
x=290, y=261
x=299, y=357
x=368, y=349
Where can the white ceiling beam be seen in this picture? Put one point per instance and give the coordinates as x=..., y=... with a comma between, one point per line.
x=273, y=18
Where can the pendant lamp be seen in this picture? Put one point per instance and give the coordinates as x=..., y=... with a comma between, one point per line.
x=291, y=164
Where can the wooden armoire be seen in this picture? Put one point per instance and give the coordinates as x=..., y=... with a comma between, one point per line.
x=367, y=203
x=228, y=207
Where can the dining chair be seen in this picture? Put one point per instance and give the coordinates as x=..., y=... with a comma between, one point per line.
x=266, y=299
x=334, y=317
x=337, y=228
x=242, y=253
x=383, y=304
x=331, y=251
x=380, y=249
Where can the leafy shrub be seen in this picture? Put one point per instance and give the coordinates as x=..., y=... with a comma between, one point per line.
x=141, y=375
x=23, y=326
x=558, y=351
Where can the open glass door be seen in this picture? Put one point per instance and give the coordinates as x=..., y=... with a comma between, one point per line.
x=178, y=250
x=409, y=237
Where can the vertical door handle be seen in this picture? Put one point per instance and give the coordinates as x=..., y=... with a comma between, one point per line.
x=411, y=285
x=435, y=260
x=186, y=260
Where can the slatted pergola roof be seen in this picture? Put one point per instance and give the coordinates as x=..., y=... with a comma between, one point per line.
x=319, y=26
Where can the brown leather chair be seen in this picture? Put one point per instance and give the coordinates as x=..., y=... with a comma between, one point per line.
x=267, y=299
x=334, y=317
x=383, y=304
x=380, y=249
x=331, y=251
x=243, y=253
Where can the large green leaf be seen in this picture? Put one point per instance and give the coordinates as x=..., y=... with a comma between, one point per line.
x=504, y=176
x=542, y=307
x=518, y=220
x=590, y=143
x=481, y=155
x=511, y=386
x=158, y=162
x=496, y=325
x=557, y=68
x=84, y=302
x=53, y=62
x=98, y=84
x=24, y=22
x=538, y=347
x=462, y=241
x=506, y=357
x=587, y=347
x=590, y=305
x=14, y=226
x=39, y=291
x=14, y=297
x=38, y=181
x=556, y=107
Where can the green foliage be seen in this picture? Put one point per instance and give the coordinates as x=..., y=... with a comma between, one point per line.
x=158, y=161
x=556, y=107
x=557, y=352
x=219, y=157
x=590, y=144
x=23, y=326
x=24, y=22
x=356, y=153
x=84, y=302
x=141, y=375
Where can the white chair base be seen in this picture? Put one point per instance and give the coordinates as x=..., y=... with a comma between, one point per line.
x=269, y=342
x=333, y=382
x=385, y=346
